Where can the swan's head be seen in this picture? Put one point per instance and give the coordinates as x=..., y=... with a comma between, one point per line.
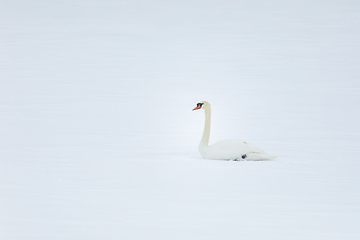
x=202, y=105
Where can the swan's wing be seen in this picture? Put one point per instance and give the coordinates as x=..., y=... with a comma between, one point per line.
x=231, y=149
x=239, y=145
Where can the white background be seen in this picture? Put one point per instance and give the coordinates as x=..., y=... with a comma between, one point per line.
x=98, y=140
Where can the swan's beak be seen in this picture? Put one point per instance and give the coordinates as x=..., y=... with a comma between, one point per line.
x=197, y=107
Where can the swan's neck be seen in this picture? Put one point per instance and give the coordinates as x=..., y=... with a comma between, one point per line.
x=206, y=134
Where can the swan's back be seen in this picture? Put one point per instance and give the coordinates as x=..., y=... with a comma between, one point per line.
x=233, y=149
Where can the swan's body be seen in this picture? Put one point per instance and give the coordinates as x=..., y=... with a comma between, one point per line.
x=232, y=149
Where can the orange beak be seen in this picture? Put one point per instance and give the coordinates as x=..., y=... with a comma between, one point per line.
x=197, y=107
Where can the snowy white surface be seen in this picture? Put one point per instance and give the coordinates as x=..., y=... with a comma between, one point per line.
x=98, y=140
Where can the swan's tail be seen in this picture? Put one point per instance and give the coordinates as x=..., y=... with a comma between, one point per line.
x=259, y=157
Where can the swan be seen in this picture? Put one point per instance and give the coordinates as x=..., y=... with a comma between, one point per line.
x=232, y=149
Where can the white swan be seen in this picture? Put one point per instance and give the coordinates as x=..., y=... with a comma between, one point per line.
x=226, y=149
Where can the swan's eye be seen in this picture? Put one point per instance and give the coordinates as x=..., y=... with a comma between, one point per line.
x=199, y=105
